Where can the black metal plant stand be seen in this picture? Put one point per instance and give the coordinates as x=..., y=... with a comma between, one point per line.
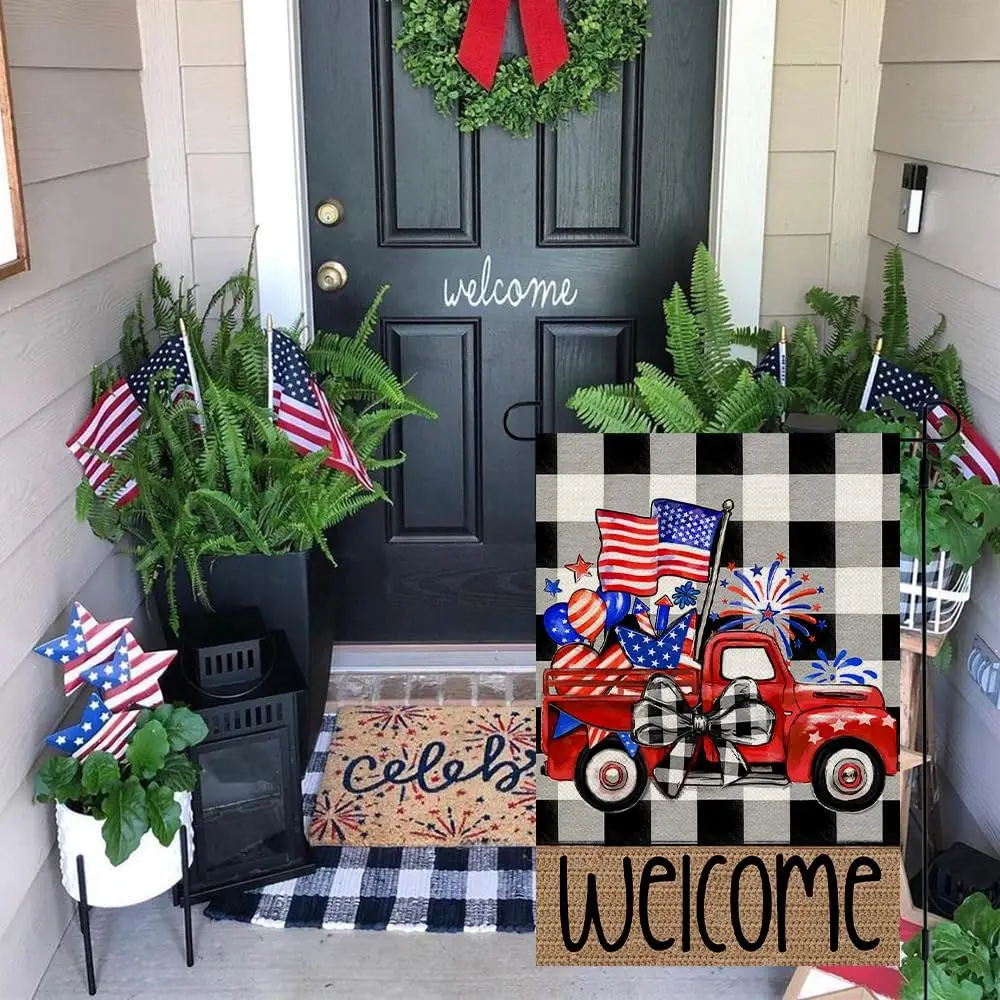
x=84, y=910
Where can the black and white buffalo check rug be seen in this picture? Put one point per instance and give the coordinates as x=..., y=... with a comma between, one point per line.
x=810, y=555
x=449, y=889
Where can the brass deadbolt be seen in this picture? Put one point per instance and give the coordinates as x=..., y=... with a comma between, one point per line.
x=330, y=212
x=331, y=276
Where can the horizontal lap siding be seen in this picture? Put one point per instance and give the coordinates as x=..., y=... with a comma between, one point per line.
x=81, y=130
x=939, y=105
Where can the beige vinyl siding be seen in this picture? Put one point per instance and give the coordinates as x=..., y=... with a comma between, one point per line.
x=216, y=137
x=79, y=115
x=939, y=105
x=820, y=166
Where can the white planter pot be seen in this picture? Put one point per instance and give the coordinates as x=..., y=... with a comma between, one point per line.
x=148, y=871
x=948, y=590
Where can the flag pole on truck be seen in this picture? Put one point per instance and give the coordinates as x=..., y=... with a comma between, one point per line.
x=713, y=580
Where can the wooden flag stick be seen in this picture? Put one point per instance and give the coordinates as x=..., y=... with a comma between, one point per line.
x=194, y=375
x=876, y=357
x=269, y=333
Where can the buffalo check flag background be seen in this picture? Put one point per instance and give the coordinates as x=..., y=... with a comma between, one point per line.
x=830, y=504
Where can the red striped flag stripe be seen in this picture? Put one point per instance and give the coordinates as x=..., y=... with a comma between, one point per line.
x=977, y=459
x=111, y=738
x=144, y=687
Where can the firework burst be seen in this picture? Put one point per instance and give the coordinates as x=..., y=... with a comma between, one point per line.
x=516, y=729
x=842, y=669
x=770, y=600
x=334, y=820
x=446, y=826
x=390, y=717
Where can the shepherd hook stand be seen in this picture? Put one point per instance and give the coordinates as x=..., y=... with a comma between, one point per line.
x=923, y=441
x=84, y=909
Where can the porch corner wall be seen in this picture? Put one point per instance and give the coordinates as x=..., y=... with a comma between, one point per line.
x=938, y=105
x=826, y=83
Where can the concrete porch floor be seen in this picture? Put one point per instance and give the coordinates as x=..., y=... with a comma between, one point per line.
x=139, y=955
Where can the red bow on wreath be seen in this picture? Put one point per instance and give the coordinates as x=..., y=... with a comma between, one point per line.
x=482, y=41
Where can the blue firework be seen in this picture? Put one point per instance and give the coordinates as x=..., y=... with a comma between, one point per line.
x=842, y=669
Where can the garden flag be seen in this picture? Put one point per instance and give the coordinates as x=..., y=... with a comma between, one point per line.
x=113, y=422
x=99, y=729
x=718, y=758
x=132, y=677
x=303, y=413
x=87, y=644
x=775, y=361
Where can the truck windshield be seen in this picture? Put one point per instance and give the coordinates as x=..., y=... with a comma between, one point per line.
x=747, y=661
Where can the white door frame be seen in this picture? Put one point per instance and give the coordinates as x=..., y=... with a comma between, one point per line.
x=277, y=149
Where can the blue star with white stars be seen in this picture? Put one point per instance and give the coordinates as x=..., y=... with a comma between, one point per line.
x=552, y=586
x=96, y=715
x=650, y=653
x=65, y=648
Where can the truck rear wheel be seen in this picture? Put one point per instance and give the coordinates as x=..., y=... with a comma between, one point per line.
x=848, y=776
x=608, y=778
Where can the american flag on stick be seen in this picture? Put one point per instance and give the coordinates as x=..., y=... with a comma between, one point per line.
x=113, y=422
x=977, y=459
x=99, y=729
x=303, y=413
x=87, y=643
x=676, y=540
x=132, y=677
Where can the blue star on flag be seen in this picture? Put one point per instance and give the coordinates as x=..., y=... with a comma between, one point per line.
x=552, y=586
x=651, y=653
x=98, y=729
x=87, y=643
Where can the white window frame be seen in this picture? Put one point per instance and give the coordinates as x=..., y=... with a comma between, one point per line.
x=739, y=173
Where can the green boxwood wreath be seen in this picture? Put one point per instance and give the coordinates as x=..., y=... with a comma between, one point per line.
x=601, y=34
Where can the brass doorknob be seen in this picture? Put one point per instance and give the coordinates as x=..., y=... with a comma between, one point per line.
x=330, y=212
x=331, y=276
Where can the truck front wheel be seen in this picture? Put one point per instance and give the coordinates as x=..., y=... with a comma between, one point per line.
x=848, y=776
x=608, y=778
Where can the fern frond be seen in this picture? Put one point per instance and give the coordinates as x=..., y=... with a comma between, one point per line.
x=666, y=402
x=895, y=315
x=610, y=409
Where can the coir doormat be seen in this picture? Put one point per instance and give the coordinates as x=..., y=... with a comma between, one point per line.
x=426, y=776
x=718, y=667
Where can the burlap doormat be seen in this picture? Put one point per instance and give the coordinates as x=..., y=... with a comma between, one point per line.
x=418, y=775
x=735, y=906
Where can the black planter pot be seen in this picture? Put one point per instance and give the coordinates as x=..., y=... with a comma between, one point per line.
x=292, y=593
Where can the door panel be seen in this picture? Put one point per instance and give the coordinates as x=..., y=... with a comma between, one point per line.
x=580, y=232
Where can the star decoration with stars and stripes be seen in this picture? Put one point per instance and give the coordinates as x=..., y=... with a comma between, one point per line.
x=99, y=729
x=132, y=677
x=651, y=653
x=87, y=643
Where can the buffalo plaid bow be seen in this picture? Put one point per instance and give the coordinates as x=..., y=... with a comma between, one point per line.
x=664, y=719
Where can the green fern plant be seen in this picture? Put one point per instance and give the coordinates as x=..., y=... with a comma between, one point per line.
x=233, y=485
x=851, y=339
x=707, y=388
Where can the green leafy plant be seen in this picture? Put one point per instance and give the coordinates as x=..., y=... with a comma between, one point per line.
x=851, y=337
x=965, y=956
x=601, y=35
x=135, y=795
x=963, y=515
x=232, y=484
x=708, y=389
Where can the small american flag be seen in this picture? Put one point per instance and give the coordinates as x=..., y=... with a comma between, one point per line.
x=113, y=423
x=99, y=729
x=87, y=644
x=132, y=677
x=303, y=413
x=977, y=459
x=676, y=540
x=773, y=363
x=909, y=389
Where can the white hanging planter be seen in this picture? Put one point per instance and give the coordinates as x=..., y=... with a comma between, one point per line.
x=148, y=871
x=948, y=590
